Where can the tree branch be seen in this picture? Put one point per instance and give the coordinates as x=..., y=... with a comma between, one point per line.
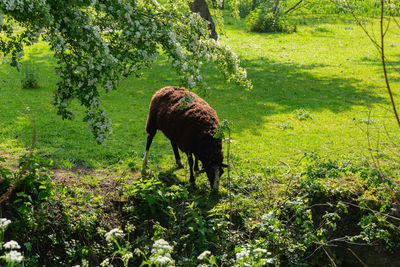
x=382, y=49
x=293, y=7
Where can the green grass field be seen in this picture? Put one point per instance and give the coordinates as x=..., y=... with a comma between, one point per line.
x=314, y=91
x=302, y=191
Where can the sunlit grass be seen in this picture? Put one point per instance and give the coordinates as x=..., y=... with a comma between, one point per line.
x=328, y=69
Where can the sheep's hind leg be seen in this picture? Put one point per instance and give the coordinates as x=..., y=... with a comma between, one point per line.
x=146, y=155
x=190, y=158
x=177, y=156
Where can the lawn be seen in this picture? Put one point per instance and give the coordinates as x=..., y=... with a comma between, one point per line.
x=314, y=91
x=317, y=92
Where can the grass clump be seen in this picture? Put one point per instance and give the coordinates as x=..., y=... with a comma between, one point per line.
x=29, y=79
x=302, y=114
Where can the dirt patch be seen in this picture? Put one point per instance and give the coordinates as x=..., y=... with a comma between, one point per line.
x=103, y=183
x=11, y=161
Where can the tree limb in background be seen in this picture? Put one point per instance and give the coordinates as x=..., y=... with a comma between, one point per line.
x=295, y=7
x=382, y=52
x=253, y=5
x=275, y=7
x=380, y=46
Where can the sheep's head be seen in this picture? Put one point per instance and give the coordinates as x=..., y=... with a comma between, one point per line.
x=214, y=174
x=211, y=156
x=213, y=167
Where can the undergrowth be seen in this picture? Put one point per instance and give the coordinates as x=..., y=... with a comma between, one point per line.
x=157, y=221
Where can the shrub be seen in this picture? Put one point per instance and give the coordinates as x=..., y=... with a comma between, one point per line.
x=244, y=7
x=262, y=19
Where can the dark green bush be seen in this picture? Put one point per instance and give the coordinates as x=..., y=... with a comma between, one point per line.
x=244, y=7
x=262, y=19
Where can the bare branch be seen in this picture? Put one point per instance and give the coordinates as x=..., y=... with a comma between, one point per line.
x=374, y=211
x=293, y=8
x=382, y=51
x=358, y=258
x=330, y=258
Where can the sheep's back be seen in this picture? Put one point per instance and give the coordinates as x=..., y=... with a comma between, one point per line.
x=184, y=126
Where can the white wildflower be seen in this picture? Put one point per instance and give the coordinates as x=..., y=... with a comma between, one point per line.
x=11, y=245
x=126, y=257
x=204, y=255
x=114, y=234
x=13, y=257
x=105, y=263
x=162, y=260
x=4, y=223
x=161, y=247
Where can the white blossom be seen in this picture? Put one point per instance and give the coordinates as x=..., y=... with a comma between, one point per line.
x=4, y=223
x=12, y=245
x=162, y=260
x=242, y=255
x=191, y=82
x=13, y=257
x=260, y=250
x=161, y=246
x=105, y=263
x=114, y=234
x=133, y=47
x=126, y=257
x=204, y=255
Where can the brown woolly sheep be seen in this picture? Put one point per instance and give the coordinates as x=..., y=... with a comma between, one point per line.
x=189, y=127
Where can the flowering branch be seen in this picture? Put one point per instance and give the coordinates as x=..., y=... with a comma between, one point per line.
x=99, y=42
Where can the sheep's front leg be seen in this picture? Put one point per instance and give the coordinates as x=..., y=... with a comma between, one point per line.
x=177, y=156
x=146, y=155
x=190, y=158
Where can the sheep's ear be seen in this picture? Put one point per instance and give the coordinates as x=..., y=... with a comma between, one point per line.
x=224, y=165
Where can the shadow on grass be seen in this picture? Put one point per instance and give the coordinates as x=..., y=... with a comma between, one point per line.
x=281, y=88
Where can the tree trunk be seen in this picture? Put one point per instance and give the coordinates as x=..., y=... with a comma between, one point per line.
x=200, y=6
x=275, y=8
x=253, y=6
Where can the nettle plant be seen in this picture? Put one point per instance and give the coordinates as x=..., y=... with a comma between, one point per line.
x=99, y=42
